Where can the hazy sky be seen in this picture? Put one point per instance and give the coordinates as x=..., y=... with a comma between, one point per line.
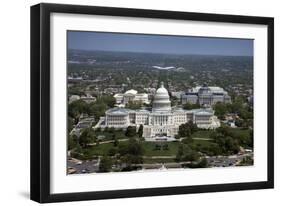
x=159, y=43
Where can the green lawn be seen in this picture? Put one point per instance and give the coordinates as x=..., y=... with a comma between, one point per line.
x=101, y=149
x=238, y=132
x=109, y=135
x=202, y=134
x=202, y=142
x=150, y=149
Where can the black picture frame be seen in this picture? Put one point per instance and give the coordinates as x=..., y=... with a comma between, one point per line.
x=40, y=102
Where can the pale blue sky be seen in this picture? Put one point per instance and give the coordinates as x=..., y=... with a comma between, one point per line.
x=159, y=43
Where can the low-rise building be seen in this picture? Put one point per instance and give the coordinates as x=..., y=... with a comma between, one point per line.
x=131, y=96
x=205, y=95
x=88, y=98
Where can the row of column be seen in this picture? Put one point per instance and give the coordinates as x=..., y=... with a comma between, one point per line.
x=161, y=120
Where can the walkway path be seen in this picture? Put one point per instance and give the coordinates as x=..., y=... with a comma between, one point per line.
x=160, y=157
x=108, y=141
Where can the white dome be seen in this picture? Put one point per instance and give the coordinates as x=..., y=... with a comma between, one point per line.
x=131, y=91
x=162, y=90
x=161, y=100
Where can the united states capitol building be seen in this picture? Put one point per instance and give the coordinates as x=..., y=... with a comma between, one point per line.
x=161, y=121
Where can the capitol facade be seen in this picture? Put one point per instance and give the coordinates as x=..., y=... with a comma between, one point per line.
x=161, y=121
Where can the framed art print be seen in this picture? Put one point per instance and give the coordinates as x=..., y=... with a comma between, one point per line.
x=131, y=102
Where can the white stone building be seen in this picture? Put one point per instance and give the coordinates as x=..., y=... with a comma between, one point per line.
x=160, y=122
x=131, y=95
x=205, y=95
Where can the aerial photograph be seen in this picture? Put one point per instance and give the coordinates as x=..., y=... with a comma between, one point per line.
x=150, y=102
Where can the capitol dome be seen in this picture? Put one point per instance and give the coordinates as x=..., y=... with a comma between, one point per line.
x=161, y=102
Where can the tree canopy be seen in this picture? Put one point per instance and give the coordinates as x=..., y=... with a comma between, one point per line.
x=131, y=131
x=189, y=106
x=87, y=136
x=187, y=129
x=105, y=164
x=140, y=131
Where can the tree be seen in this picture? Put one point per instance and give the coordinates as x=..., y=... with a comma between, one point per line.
x=115, y=142
x=70, y=123
x=98, y=129
x=184, y=130
x=131, y=131
x=87, y=136
x=105, y=164
x=134, y=147
x=106, y=129
x=239, y=122
x=111, y=129
x=226, y=141
x=140, y=131
x=108, y=100
x=76, y=108
x=112, y=151
x=220, y=109
x=131, y=152
x=97, y=109
x=250, y=143
x=177, y=136
x=129, y=159
x=72, y=142
x=185, y=153
x=203, y=163
x=193, y=127
x=187, y=129
x=187, y=140
x=189, y=106
x=231, y=145
x=246, y=161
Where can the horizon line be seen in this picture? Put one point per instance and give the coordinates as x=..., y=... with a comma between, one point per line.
x=96, y=50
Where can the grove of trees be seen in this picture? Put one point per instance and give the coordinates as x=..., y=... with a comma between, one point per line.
x=96, y=109
x=185, y=153
x=189, y=106
x=186, y=130
x=130, y=131
x=239, y=107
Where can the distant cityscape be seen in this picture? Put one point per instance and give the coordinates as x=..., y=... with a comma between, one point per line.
x=131, y=111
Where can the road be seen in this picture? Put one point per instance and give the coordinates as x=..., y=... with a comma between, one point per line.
x=226, y=161
x=83, y=166
x=109, y=141
x=92, y=166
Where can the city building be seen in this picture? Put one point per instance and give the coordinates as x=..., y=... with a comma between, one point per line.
x=177, y=94
x=161, y=121
x=88, y=98
x=206, y=96
x=131, y=96
x=73, y=98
